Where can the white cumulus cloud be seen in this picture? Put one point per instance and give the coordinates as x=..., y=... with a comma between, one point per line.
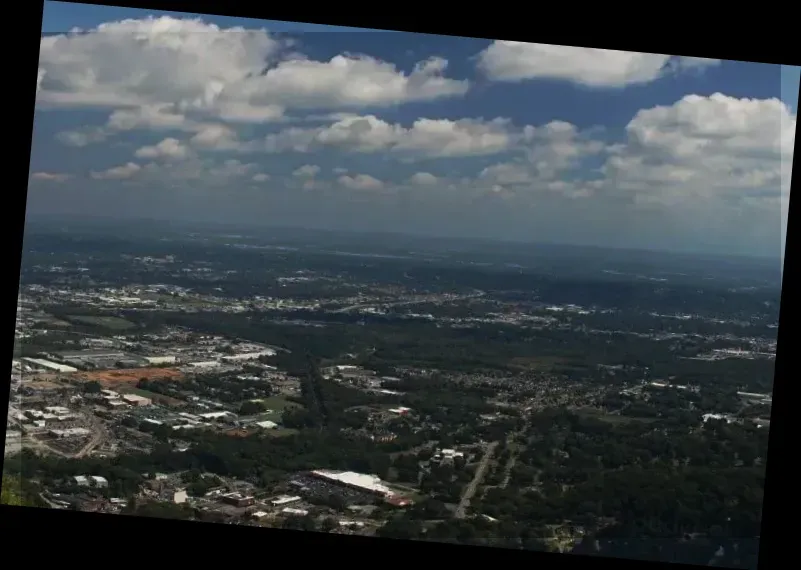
x=50, y=176
x=423, y=179
x=192, y=67
x=361, y=182
x=706, y=146
x=306, y=171
x=118, y=172
x=594, y=67
x=424, y=137
x=169, y=149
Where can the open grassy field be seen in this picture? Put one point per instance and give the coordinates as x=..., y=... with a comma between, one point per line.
x=107, y=322
x=538, y=363
x=610, y=418
x=276, y=405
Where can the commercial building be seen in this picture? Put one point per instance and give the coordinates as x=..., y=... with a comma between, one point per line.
x=70, y=432
x=238, y=500
x=86, y=355
x=97, y=342
x=446, y=455
x=160, y=360
x=13, y=442
x=396, y=501
x=57, y=417
x=136, y=400
x=204, y=365
x=752, y=398
x=285, y=500
x=188, y=426
x=48, y=365
x=728, y=419
x=98, y=481
x=753, y=395
x=245, y=356
x=370, y=484
x=217, y=416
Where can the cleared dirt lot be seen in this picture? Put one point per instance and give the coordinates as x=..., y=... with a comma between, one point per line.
x=129, y=376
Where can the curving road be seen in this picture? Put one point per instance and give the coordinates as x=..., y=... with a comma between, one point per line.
x=472, y=487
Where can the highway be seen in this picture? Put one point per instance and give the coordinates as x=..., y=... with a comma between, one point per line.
x=415, y=301
x=515, y=449
x=472, y=487
x=98, y=437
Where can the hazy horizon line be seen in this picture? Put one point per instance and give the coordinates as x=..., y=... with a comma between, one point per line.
x=34, y=217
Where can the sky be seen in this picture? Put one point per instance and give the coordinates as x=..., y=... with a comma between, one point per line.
x=192, y=117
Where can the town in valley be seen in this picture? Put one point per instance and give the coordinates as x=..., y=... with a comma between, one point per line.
x=429, y=390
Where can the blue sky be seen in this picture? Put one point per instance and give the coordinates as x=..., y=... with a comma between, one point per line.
x=60, y=17
x=170, y=117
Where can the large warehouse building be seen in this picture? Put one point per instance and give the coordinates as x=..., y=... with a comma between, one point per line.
x=48, y=365
x=160, y=360
x=356, y=481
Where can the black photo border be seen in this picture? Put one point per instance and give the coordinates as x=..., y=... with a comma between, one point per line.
x=722, y=31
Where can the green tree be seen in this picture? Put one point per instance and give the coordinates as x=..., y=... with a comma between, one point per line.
x=305, y=522
x=11, y=491
x=250, y=408
x=92, y=387
x=329, y=524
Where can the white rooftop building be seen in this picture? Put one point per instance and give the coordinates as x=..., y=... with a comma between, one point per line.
x=370, y=483
x=727, y=419
x=158, y=360
x=204, y=364
x=136, y=400
x=48, y=365
x=451, y=453
x=216, y=415
x=245, y=356
x=70, y=432
x=278, y=501
x=99, y=481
